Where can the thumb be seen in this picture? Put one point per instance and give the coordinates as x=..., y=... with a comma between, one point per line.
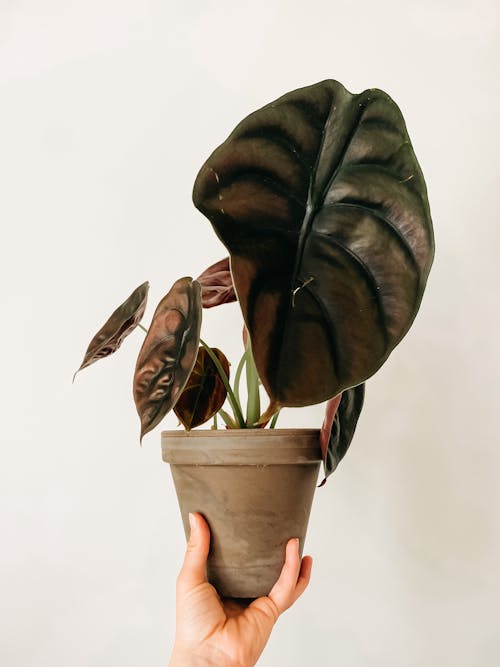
x=193, y=571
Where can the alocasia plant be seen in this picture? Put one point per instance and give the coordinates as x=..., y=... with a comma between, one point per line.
x=322, y=206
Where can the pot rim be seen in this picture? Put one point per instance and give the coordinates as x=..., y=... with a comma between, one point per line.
x=242, y=446
x=238, y=432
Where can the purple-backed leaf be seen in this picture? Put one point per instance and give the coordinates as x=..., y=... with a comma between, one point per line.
x=205, y=392
x=121, y=323
x=326, y=429
x=217, y=285
x=168, y=353
x=341, y=417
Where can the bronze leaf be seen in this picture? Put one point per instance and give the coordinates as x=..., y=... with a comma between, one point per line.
x=205, y=392
x=168, y=353
x=217, y=285
x=121, y=323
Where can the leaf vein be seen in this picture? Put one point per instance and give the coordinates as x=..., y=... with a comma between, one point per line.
x=380, y=217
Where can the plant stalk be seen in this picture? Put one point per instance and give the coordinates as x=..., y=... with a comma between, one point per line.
x=228, y=420
x=230, y=395
x=237, y=376
x=253, y=401
x=274, y=419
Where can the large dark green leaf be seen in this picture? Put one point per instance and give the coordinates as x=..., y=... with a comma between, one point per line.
x=119, y=325
x=205, y=392
x=322, y=205
x=341, y=417
x=168, y=353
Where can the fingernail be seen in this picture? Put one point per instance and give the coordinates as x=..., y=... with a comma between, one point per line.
x=192, y=522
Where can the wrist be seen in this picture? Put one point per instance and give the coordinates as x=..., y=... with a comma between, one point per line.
x=192, y=656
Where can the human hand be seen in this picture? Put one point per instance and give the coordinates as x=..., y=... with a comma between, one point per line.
x=211, y=632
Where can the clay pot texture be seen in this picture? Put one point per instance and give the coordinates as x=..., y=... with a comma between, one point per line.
x=255, y=489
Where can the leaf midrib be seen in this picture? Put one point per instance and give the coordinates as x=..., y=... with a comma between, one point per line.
x=311, y=211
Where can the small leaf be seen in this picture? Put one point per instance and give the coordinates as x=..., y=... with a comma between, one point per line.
x=328, y=423
x=121, y=323
x=204, y=393
x=341, y=417
x=168, y=353
x=217, y=285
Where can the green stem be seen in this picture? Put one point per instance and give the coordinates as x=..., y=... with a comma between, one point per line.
x=253, y=402
x=230, y=395
x=227, y=418
x=274, y=419
x=215, y=422
x=237, y=376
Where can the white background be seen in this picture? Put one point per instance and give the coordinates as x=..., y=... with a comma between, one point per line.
x=107, y=110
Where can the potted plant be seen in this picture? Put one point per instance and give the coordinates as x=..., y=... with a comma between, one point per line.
x=322, y=206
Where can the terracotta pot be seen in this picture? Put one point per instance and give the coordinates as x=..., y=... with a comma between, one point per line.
x=255, y=488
